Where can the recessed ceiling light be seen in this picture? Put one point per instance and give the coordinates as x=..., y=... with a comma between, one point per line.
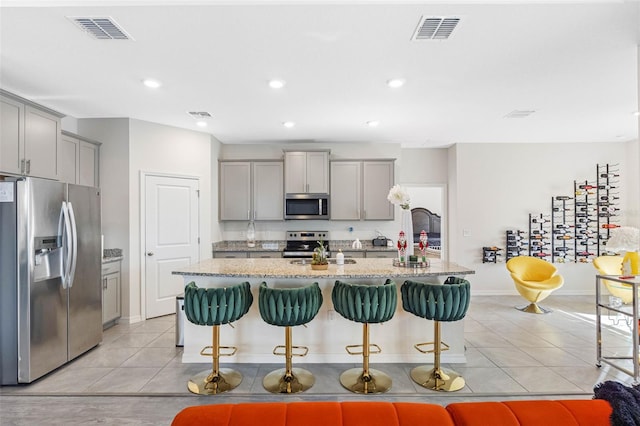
x=637, y=113
x=276, y=84
x=201, y=123
x=288, y=124
x=151, y=83
x=373, y=123
x=396, y=82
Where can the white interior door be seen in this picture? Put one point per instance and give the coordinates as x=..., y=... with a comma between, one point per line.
x=171, y=239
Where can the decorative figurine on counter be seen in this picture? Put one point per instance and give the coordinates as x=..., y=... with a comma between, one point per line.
x=424, y=243
x=402, y=246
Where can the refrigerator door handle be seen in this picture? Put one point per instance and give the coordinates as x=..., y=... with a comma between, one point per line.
x=64, y=227
x=74, y=244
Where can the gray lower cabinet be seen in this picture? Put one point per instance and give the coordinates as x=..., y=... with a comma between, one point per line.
x=350, y=254
x=265, y=254
x=382, y=254
x=110, y=293
x=230, y=255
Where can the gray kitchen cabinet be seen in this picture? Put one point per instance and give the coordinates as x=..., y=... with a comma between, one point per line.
x=350, y=254
x=79, y=160
x=346, y=190
x=29, y=138
x=359, y=189
x=377, y=179
x=388, y=254
x=265, y=254
x=251, y=189
x=306, y=172
x=230, y=255
x=110, y=292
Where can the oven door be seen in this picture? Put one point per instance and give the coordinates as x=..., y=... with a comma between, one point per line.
x=306, y=206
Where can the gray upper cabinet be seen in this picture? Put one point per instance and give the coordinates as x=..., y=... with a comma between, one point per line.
x=346, y=190
x=79, y=160
x=235, y=190
x=359, y=190
x=377, y=179
x=29, y=139
x=268, y=192
x=251, y=189
x=306, y=172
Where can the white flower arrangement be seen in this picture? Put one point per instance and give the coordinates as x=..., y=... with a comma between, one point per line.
x=399, y=196
x=625, y=238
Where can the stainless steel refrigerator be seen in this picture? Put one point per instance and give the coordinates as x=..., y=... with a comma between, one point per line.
x=50, y=284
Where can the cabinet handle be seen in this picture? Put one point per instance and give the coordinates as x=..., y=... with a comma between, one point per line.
x=150, y=253
x=249, y=214
x=22, y=166
x=28, y=166
x=104, y=283
x=307, y=188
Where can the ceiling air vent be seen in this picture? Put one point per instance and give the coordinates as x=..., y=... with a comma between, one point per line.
x=104, y=28
x=519, y=113
x=199, y=115
x=435, y=28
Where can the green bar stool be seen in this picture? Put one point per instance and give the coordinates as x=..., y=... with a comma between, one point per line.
x=437, y=302
x=289, y=307
x=367, y=304
x=213, y=307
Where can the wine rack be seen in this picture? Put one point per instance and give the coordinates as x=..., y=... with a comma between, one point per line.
x=562, y=229
x=579, y=226
x=490, y=254
x=586, y=221
x=539, y=235
x=608, y=194
x=517, y=245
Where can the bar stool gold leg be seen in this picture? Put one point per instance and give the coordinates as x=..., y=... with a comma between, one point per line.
x=365, y=379
x=288, y=379
x=437, y=378
x=217, y=380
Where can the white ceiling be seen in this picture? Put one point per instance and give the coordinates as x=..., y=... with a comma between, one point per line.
x=574, y=63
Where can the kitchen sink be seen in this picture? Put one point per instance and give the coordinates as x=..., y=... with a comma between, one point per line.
x=332, y=261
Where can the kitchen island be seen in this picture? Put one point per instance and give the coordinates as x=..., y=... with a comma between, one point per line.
x=328, y=334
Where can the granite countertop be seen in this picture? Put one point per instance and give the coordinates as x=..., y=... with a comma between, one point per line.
x=283, y=268
x=111, y=255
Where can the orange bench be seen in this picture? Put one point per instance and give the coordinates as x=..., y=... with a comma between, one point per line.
x=379, y=413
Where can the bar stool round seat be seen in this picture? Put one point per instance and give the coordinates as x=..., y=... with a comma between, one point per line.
x=214, y=307
x=289, y=307
x=437, y=302
x=366, y=304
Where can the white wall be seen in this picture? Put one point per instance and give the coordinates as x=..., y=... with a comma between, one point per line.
x=114, y=184
x=168, y=150
x=496, y=186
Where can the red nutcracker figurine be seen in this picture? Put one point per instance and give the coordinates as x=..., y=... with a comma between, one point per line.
x=402, y=246
x=424, y=243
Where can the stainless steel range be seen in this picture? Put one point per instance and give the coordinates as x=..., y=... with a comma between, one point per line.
x=301, y=244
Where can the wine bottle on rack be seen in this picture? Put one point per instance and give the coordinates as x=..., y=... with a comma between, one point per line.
x=608, y=197
x=563, y=226
x=609, y=225
x=564, y=237
x=609, y=175
x=562, y=197
x=539, y=220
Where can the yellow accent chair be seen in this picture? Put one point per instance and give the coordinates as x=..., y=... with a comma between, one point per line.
x=612, y=265
x=535, y=279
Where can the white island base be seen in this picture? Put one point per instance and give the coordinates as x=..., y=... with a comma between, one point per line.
x=328, y=333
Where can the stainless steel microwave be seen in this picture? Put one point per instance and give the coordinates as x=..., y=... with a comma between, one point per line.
x=306, y=206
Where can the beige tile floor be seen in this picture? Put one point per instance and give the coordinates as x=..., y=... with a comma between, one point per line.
x=510, y=354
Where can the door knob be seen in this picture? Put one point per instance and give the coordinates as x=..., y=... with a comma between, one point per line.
x=150, y=253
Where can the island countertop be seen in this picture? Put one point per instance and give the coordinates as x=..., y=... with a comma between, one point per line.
x=283, y=268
